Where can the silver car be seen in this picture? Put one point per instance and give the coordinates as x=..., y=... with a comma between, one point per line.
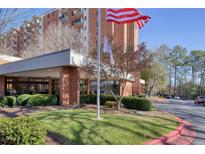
x=200, y=100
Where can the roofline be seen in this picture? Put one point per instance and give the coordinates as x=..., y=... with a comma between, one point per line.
x=47, y=12
x=43, y=55
x=54, y=59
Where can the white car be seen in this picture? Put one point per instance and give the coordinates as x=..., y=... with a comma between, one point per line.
x=176, y=97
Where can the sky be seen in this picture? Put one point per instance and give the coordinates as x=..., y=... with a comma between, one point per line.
x=184, y=27
x=25, y=14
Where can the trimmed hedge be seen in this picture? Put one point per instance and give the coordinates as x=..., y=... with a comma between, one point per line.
x=42, y=100
x=136, y=103
x=21, y=130
x=2, y=102
x=8, y=101
x=23, y=99
x=33, y=100
x=11, y=101
x=91, y=99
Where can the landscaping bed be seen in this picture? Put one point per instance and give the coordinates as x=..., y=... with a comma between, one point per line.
x=79, y=126
x=129, y=102
x=136, y=123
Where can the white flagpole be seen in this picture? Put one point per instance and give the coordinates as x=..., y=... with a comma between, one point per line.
x=98, y=65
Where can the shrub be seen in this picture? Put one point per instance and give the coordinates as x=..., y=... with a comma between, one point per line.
x=3, y=102
x=10, y=100
x=142, y=95
x=137, y=103
x=21, y=130
x=22, y=99
x=110, y=104
x=42, y=100
x=84, y=99
x=37, y=100
x=128, y=102
x=52, y=100
x=91, y=99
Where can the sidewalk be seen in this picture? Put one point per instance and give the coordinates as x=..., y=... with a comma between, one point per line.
x=183, y=135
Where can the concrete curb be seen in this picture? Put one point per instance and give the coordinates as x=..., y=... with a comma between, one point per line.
x=184, y=134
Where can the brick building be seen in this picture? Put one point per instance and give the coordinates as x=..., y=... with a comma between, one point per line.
x=85, y=21
x=2, y=41
x=54, y=73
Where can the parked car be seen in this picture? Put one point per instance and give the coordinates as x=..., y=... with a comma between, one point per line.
x=200, y=100
x=176, y=97
x=183, y=98
x=168, y=97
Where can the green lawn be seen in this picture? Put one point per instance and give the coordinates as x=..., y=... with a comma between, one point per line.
x=80, y=127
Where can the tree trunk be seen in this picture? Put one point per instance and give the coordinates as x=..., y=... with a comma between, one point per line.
x=193, y=79
x=201, y=78
x=170, y=79
x=175, y=79
x=152, y=86
x=179, y=88
x=118, y=104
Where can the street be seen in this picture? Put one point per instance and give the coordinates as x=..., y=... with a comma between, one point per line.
x=192, y=113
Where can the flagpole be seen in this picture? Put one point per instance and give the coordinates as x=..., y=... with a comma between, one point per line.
x=98, y=64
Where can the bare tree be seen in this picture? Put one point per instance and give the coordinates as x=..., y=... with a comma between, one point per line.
x=8, y=51
x=10, y=17
x=125, y=63
x=56, y=37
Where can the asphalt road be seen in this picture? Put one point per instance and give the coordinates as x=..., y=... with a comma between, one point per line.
x=192, y=113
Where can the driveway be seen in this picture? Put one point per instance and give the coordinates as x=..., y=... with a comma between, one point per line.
x=192, y=113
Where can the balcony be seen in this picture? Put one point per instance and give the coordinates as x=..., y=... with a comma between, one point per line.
x=78, y=22
x=78, y=12
x=63, y=17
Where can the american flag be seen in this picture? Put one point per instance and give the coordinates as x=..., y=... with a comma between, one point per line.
x=127, y=15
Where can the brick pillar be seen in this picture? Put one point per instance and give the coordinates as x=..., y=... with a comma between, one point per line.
x=50, y=86
x=69, y=86
x=136, y=83
x=2, y=85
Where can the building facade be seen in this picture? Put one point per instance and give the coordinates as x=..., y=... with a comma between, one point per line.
x=82, y=19
x=85, y=21
x=60, y=75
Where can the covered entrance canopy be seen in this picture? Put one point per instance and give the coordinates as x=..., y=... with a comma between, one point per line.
x=54, y=72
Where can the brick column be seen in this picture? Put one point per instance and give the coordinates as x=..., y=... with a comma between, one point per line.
x=2, y=85
x=50, y=86
x=69, y=86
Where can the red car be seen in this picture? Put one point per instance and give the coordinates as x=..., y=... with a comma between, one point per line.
x=200, y=100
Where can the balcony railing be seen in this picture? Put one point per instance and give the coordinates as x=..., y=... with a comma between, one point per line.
x=63, y=17
x=78, y=12
x=78, y=21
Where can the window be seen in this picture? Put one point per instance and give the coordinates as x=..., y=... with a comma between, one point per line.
x=78, y=20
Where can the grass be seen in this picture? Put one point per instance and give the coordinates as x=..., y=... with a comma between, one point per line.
x=80, y=127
